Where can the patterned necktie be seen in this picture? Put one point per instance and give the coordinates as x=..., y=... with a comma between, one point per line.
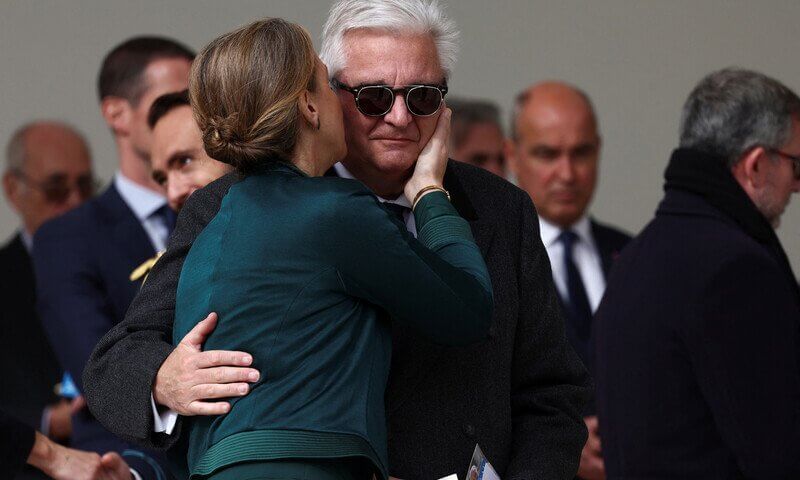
x=579, y=310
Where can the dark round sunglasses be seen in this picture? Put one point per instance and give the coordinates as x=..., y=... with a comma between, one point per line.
x=378, y=100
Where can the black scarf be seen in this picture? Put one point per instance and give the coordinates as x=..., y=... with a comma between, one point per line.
x=709, y=176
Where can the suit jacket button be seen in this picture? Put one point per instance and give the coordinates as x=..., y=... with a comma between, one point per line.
x=469, y=430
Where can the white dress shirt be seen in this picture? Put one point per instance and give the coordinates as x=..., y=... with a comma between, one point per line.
x=165, y=422
x=27, y=239
x=586, y=257
x=144, y=203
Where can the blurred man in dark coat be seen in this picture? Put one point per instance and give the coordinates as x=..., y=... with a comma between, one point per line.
x=697, y=336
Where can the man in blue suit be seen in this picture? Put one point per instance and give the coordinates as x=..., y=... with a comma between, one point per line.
x=83, y=259
x=554, y=153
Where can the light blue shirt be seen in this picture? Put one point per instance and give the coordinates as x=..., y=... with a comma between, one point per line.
x=145, y=203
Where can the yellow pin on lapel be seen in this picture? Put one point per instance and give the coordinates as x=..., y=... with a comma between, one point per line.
x=141, y=272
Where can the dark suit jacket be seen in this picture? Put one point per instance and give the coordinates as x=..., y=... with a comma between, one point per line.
x=28, y=367
x=82, y=262
x=16, y=443
x=610, y=242
x=519, y=395
x=698, y=368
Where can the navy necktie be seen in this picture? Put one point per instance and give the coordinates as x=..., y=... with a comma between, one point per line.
x=168, y=216
x=578, y=308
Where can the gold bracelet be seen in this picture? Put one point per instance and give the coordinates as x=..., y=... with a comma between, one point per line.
x=425, y=190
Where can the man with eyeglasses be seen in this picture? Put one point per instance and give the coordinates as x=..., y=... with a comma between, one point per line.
x=48, y=172
x=554, y=152
x=518, y=395
x=476, y=136
x=698, y=355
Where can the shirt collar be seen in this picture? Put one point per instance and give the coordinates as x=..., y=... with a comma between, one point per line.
x=27, y=239
x=343, y=172
x=143, y=201
x=550, y=232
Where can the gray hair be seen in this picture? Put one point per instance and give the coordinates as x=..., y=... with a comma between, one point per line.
x=733, y=110
x=16, y=153
x=467, y=113
x=526, y=96
x=396, y=16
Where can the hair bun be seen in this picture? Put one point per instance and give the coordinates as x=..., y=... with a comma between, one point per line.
x=244, y=88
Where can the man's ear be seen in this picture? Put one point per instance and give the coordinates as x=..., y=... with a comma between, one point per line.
x=117, y=113
x=510, y=150
x=308, y=109
x=11, y=188
x=750, y=170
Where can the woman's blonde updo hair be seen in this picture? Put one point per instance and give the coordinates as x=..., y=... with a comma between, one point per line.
x=244, y=88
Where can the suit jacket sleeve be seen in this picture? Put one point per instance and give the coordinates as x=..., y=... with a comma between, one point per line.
x=120, y=373
x=743, y=344
x=72, y=304
x=16, y=443
x=549, y=383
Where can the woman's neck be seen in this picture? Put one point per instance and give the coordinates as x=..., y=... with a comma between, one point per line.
x=309, y=158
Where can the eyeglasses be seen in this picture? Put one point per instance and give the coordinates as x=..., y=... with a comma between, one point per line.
x=794, y=158
x=378, y=100
x=56, y=190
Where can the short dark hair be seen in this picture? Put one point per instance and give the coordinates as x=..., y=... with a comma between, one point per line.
x=164, y=104
x=469, y=112
x=123, y=68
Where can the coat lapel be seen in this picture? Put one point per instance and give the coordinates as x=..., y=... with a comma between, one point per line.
x=128, y=234
x=482, y=230
x=608, y=253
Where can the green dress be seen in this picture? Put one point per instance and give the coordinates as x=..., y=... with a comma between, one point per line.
x=305, y=274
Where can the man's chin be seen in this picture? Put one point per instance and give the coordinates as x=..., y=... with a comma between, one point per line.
x=394, y=161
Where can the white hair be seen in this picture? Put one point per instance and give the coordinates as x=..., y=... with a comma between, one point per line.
x=395, y=16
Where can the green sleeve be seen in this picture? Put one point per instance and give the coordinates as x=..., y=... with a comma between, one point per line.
x=438, y=284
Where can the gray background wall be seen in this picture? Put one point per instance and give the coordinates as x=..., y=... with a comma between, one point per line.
x=637, y=59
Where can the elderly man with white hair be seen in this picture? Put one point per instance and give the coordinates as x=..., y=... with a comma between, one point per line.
x=519, y=394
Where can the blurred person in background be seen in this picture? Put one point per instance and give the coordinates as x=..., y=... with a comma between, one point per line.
x=48, y=172
x=476, y=136
x=697, y=336
x=180, y=164
x=554, y=152
x=21, y=446
x=84, y=258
